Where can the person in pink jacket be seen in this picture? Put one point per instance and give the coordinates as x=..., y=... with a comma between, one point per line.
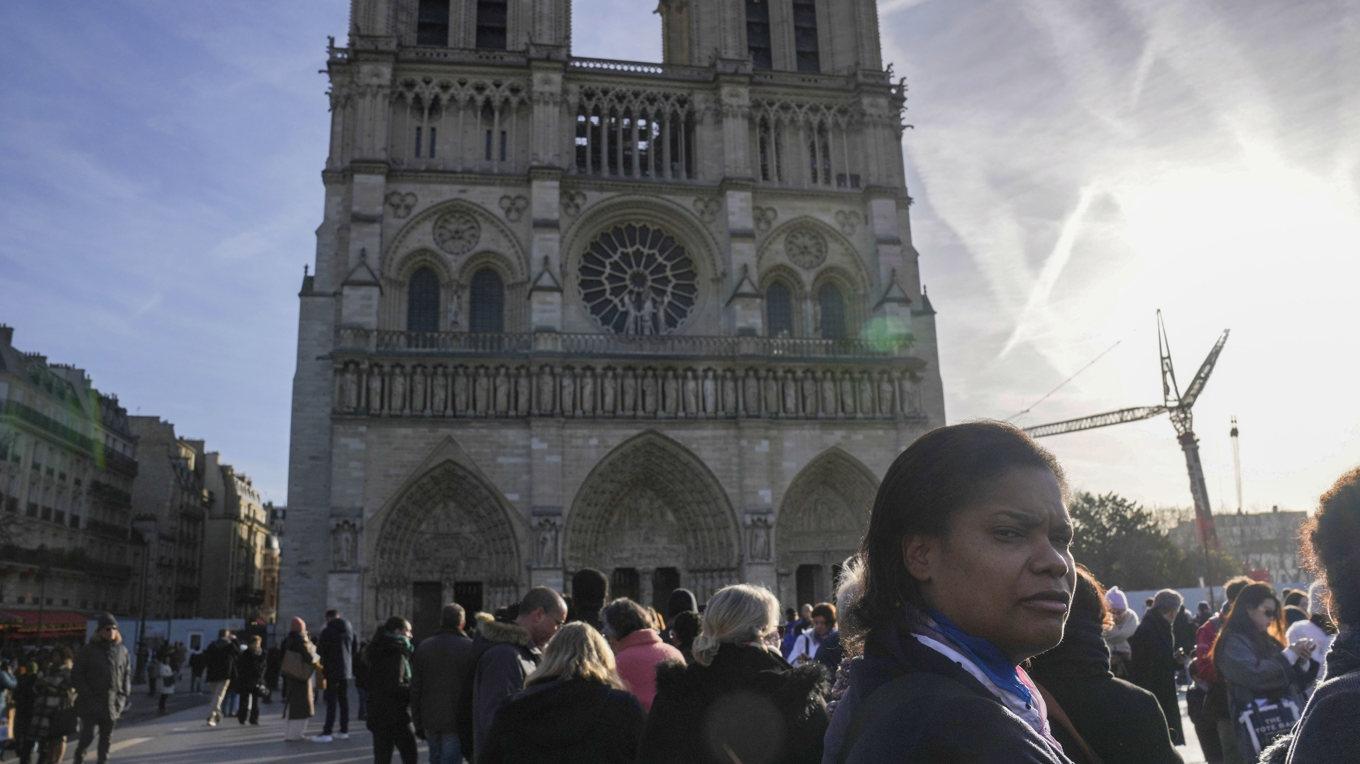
x=638, y=648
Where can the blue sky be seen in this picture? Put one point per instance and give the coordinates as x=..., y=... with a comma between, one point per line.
x=1075, y=166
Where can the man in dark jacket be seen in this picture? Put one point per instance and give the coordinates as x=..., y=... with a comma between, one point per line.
x=509, y=652
x=337, y=645
x=103, y=681
x=441, y=687
x=1154, y=664
x=218, y=666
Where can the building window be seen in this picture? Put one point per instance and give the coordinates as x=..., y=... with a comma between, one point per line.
x=491, y=24
x=487, y=306
x=779, y=310
x=638, y=279
x=419, y=130
x=805, y=36
x=432, y=23
x=422, y=302
x=758, y=34
x=832, y=304
x=432, y=141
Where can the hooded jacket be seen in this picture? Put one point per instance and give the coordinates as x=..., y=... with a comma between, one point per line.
x=389, y=681
x=566, y=720
x=1118, y=720
x=638, y=656
x=102, y=679
x=507, y=656
x=747, y=706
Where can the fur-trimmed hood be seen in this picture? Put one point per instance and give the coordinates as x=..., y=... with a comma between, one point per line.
x=507, y=632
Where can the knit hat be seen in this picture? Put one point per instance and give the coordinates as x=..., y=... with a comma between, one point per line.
x=106, y=620
x=1317, y=598
x=589, y=587
x=1115, y=599
x=681, y=601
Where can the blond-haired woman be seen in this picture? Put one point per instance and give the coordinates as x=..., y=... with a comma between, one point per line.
x=573, y=707
x=739, y=700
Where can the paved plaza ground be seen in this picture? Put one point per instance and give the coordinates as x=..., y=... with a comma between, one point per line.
x=183, y=737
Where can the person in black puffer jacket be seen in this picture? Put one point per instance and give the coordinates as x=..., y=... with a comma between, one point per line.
x=739, y=701
x=1119, y=721
x=574, y=707
x=389, y=692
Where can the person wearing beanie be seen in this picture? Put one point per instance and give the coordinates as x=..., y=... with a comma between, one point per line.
x=681, y=601
x=589, y=590
x=1123, y=624
x=102, y=678
x=1317, y=627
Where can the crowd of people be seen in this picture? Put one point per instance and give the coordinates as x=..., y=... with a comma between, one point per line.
x=963, y=630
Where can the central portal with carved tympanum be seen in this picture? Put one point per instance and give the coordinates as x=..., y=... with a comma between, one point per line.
x=652, y=518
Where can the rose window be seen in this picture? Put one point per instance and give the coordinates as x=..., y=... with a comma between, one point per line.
x=637, y=279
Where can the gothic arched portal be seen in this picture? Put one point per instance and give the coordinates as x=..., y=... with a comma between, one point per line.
x=652, y=513
x=821, y=522
x=448, y=536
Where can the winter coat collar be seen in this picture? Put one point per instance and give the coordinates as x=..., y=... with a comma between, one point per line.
x=502, y=631
x=1081, y=654
x=638, y=638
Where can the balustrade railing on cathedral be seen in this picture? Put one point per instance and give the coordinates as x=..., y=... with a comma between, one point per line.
x=353, y=339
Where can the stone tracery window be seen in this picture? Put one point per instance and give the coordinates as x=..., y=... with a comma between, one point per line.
x=422, y=301
x=779, y=310
x=487, y=304
x=832, y=304
x=637, y=279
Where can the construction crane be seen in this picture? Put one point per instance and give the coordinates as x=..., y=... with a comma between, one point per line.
x=1178, y=405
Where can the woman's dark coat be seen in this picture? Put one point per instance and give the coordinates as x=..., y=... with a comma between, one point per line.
x=301, y=703
x=1153, y=667
x=389, y=682
x=1119, y=721
x=747, y=706
x=1328, y=730
x=907, y=702
x=566, y=720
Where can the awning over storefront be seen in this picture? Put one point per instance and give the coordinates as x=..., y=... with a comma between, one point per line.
x=46, y=624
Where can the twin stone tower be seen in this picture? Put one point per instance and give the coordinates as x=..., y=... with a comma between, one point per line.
x=662, y=320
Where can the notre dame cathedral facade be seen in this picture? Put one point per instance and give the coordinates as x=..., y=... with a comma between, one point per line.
x=660, y=319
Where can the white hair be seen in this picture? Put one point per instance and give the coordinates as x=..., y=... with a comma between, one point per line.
x=737, y=614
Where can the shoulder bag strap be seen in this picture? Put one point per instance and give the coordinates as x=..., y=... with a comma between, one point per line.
x=1056, y=713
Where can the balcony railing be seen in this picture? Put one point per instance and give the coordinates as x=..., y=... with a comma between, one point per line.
x=349, y=339
x=642, y=68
